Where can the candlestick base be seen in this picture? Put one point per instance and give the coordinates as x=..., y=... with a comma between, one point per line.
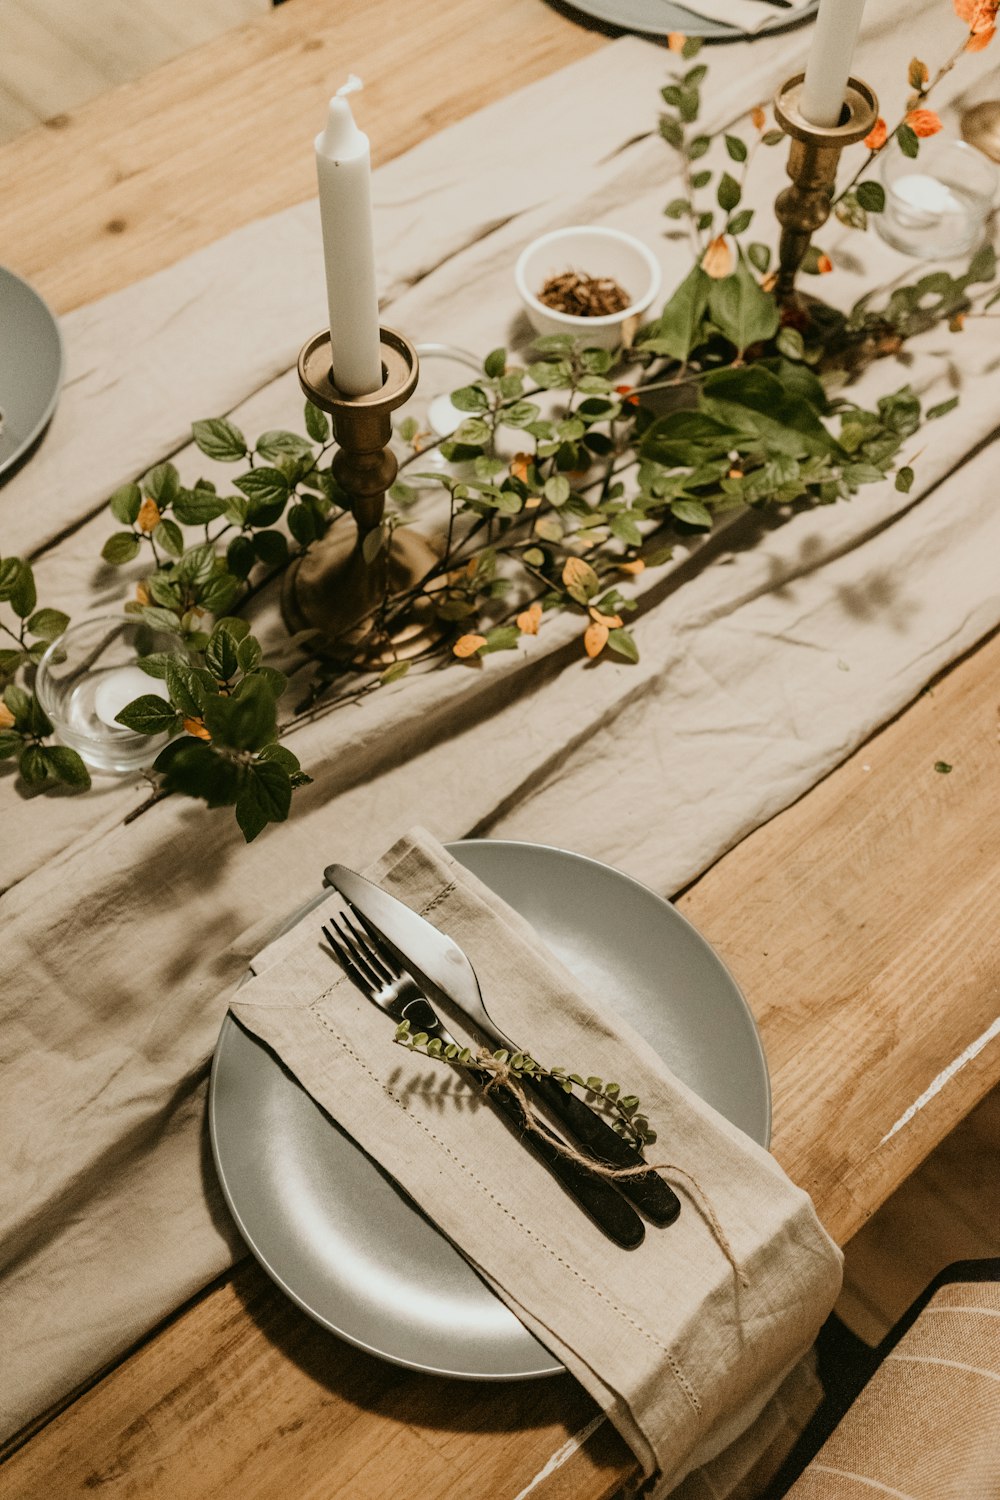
x=812, y=165
x=334, y=588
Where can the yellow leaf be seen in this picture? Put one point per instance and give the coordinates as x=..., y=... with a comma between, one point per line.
x=142, y=594
x=6, y=717
x=917, y=73
x=758, y=117
x=613, y=622
x=468, y=645
x=529, y=619
x=595, y=638
x=718, y=258
x=579, y=577
x=197, y=728
x=519, y=466
x=149, y=515
x=636, y=565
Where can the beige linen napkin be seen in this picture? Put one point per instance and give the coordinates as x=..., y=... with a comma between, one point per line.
x=680, y=1350
x=747, y=16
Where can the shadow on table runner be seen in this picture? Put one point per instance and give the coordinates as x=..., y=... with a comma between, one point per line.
x=766, y=668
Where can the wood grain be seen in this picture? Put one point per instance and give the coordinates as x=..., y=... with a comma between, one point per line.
x=173, y=161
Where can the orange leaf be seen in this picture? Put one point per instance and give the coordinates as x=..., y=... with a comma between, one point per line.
x=718, y=258
x=6, y=717
x=528, y=620
x=923, y=122
x=637, y=565
x=519, y=466
x=758, y=117
x=142, y=594
x=978, y=15
x=627, y=394
x=595, y=638
x=676, y=40
x=980, y=39
x=149, y=515
x=613, y=622
x=876, y=137
x=468, y=645
x=579, y=575
x=197, y=728
x=824, y=265
x=917, y=73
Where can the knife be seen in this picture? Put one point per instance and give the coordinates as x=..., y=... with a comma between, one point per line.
x=440, y=965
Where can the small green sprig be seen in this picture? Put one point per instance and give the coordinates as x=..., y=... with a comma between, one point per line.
x=628, y=1120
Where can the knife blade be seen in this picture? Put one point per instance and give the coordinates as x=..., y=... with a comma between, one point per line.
x=440, y=965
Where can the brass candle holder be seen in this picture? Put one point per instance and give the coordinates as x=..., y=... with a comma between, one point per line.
x=812, y=165
x=333, y=588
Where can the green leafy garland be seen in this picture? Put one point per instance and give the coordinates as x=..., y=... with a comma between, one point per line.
x=732, y=401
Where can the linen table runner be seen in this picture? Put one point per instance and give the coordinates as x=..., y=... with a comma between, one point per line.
x=767, y=656
x=680, y=1348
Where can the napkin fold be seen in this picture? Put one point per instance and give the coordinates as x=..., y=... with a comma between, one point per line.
x=683, y=1341
x=747, y=16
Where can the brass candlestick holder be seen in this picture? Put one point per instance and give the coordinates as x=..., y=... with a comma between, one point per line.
x=333, y=588
x=812, y=165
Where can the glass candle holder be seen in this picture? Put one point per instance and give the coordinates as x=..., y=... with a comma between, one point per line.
x=936, y=204
x=88, y=675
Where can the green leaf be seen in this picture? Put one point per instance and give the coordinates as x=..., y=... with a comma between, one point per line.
x=942, y=766
x=942, y=409
x=373, y=542
x=773, y=137
x=38, y=719
x=672, y=131
x=240, y=556
x=303, y=524
x=32, y=765
x=741, y=310
x=740, y=223
x=125, y=503
x=679, y=327
x=168, y=535
x=736, y=148
x=623, y=642
x=907, y=140
x=904, y=479
x=219, y=439
x=265, y=489
x=121, y=547
x=983, y=265
x=221, y=654
x=501, y=638
x=47, y=624
x=728, y=192
x=271, y=547
x=11, y=743
x=10, y=568
x=791, y=343
x=10, y=660
x=698, y=147
x=281, y=444
x=149, y=714
x=692, y=513
x=700, y=179
x=199, y=506
x=161, y=619
x=871, y=196
x=691, y=47
x=23, y=597
x=162, y=484
x=265, y=797
x=470, y=398
x=66, y=766
x=246, y=721
x=677, y=207
x=394, y=673
x=220, y=593
x=495, y=363
x=185, y=688
x=755, y=401
x=195, y=769
x=317, y=423
x=248, y=653
x=19, y=703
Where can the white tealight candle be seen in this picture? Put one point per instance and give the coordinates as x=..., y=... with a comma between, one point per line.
x=120, y=687
x=343, y=168
x=443, y=415
x=927, y=194
x=829, y=64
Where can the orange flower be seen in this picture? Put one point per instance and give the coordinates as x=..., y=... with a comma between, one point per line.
x=595, y=638
x=197, y=728
x=468, y=645
x=980, y=39
x=758, y=117
x=923, y=122
x=149, y=515
x=978, y=15
x=876, y=137
x=718, y=258
x=676, y=40
x=824, y=265
x=529, y=619
x=629, y=398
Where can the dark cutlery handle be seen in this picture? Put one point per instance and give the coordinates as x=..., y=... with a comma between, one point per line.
x=595, y=1195
x=647, y=1190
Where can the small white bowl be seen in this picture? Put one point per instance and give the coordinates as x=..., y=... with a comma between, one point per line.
x=592, y=251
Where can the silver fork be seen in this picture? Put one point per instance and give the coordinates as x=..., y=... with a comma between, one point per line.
x=381, y=979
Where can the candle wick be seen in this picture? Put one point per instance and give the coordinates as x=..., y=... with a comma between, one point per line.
x=352, y=86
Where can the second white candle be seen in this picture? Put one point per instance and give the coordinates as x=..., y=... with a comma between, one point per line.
x=830, y=57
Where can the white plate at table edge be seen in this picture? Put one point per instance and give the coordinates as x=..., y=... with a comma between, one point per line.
x=291, y=1177
x=661, y=17
x=31, y=326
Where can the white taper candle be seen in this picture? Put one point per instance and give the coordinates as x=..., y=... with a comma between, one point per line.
x=829, y=64
x=343, y=168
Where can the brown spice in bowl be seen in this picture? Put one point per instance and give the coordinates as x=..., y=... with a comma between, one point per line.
x=582, y=296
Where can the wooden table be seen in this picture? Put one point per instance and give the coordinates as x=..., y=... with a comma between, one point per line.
x=876, y=898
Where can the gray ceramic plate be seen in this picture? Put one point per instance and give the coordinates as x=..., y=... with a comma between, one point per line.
x=31, y=367
x=335, y=1232
x=660, y=17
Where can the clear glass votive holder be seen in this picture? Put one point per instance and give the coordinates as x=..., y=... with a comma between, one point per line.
x=937, y=203
x=88, y=674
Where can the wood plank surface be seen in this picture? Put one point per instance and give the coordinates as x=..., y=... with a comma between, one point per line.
x=160, y=167
x=863, y=923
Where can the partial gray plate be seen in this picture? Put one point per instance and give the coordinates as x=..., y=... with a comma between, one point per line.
x=31, y=368
x=338, y=1235
x=661, y=17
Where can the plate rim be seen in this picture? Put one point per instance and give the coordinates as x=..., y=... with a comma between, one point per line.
x=14, y=458
x=719, y=32
x=229, y=1022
